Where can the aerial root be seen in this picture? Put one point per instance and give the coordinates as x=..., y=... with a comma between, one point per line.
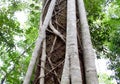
x=51, y=64
x=53, y=44
x=56, y=31
x=43, y=58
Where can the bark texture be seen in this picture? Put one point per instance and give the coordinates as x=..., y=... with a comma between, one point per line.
x=72, y=44
x=89, y=57
x=61, y=61
x=41, y=36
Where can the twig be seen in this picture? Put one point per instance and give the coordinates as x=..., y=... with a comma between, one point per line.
x=56, y=31
x=53, y=68
x=49, y=71
x=45, y=5
x=61, y=15
x=59, y=25
x=53, y=44
x=59, y=11
x=50, y=31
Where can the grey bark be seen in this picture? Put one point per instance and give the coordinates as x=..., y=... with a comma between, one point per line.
x=66, y=71
x=37, y=48
x=89, y=58
x=43, y=61
x=71, y=58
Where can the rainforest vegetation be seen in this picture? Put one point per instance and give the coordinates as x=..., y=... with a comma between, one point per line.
x=18, y=36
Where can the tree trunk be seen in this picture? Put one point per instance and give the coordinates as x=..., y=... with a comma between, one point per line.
x=89, y=58
x=65, y=46
x=72, y=56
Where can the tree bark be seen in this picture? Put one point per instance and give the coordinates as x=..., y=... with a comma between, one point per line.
x=72, y=45
x=88, y=53
x=64, y=46
x=41, y=36
x=43, y=61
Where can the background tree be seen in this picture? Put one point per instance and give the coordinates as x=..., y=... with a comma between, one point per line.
x=104, y=30
x=15, y=44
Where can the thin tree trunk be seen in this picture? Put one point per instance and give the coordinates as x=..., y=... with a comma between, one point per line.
x=35, y=53
x=71, y=44
x=73, y=73
x=89, y=58
x=43, y=61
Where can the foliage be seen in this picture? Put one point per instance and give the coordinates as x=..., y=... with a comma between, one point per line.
x=16, y=43
x=8, y=53
x=105, y=79
x=104, y=18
